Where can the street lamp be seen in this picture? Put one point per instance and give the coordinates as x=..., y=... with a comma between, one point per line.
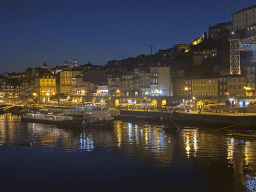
x=246, y=88
x=34, y=94
x=118, y=91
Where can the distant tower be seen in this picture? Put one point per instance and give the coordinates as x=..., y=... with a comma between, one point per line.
x=44, y=66
x=204, y=36
x=75, y=63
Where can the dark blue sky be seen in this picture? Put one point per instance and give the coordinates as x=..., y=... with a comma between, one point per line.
x=37, y=31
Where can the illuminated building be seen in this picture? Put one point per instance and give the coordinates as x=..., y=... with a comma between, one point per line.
x=160, y=80
x=66, y=77
x=200, y=40
x=46, y=87
x=102, y=90
x=207, y=86
x=81, y=88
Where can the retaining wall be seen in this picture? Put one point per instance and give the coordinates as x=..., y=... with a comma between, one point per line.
x=187, y=117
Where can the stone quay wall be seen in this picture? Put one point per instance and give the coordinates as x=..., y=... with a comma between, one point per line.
x=206, y=119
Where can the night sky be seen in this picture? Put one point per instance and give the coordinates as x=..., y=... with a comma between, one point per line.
x=36, y=31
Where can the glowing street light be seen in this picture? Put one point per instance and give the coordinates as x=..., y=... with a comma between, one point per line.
x=186, y=88
x=246, y=88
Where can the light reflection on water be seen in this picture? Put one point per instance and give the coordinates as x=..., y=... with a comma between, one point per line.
x=143, y=142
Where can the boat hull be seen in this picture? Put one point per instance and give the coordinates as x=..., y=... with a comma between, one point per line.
x=66, y=123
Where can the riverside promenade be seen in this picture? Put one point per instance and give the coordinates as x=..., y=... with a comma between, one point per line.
x=195, y=118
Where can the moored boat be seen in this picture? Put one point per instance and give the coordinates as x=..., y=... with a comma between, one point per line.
x=51, y=119
x=99, y=118
x=94, y=116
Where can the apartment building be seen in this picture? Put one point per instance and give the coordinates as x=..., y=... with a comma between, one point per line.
x=244, y=18
x=114, y=84
x=160, y=81
x=66, y=77
x=204, y=86
x=144, y=82
x=46, y=87
x=236, y=85
x=128, y=84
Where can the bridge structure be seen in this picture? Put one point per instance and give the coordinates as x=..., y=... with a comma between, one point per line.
x=235, y=47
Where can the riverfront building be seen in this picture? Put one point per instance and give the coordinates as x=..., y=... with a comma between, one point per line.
x=46, y=87
x=244, y=18
x=160, y=81
x=66, y=80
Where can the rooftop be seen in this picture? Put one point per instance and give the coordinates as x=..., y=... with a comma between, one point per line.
x=220, y=25
x=247, y=8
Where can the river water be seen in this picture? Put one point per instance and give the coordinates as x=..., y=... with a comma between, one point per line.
x=130, y=157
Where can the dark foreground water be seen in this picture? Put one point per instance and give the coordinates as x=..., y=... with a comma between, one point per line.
x=131, y=157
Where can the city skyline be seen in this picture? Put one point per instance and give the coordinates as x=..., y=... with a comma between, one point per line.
x=54, y=31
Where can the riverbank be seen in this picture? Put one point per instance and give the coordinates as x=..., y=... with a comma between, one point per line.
x=195, y=118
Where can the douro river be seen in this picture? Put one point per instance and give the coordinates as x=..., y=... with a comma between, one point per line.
x=130, y=157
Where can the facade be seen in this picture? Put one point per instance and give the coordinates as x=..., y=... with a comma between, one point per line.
x=207, y=86
x=66, y=77
x=46, y=88
x=81, y=88
x=160, y=81
x=27, y=88
x=10, y=91
x=128, y=84
x=114, y=84
x=102, y=90
x=222, y=86
x=250, y=73
x=220, y=30
x=136, y=82
x=244, y=18
x=236, y=86
x=250, y=35
x=144, y=81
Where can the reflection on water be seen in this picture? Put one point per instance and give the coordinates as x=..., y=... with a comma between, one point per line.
x=144, y=142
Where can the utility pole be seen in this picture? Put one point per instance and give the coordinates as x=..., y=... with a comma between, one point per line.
x=151, y=47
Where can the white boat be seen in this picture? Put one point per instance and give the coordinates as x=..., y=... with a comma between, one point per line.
x=94, y=116
x=54, y=119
